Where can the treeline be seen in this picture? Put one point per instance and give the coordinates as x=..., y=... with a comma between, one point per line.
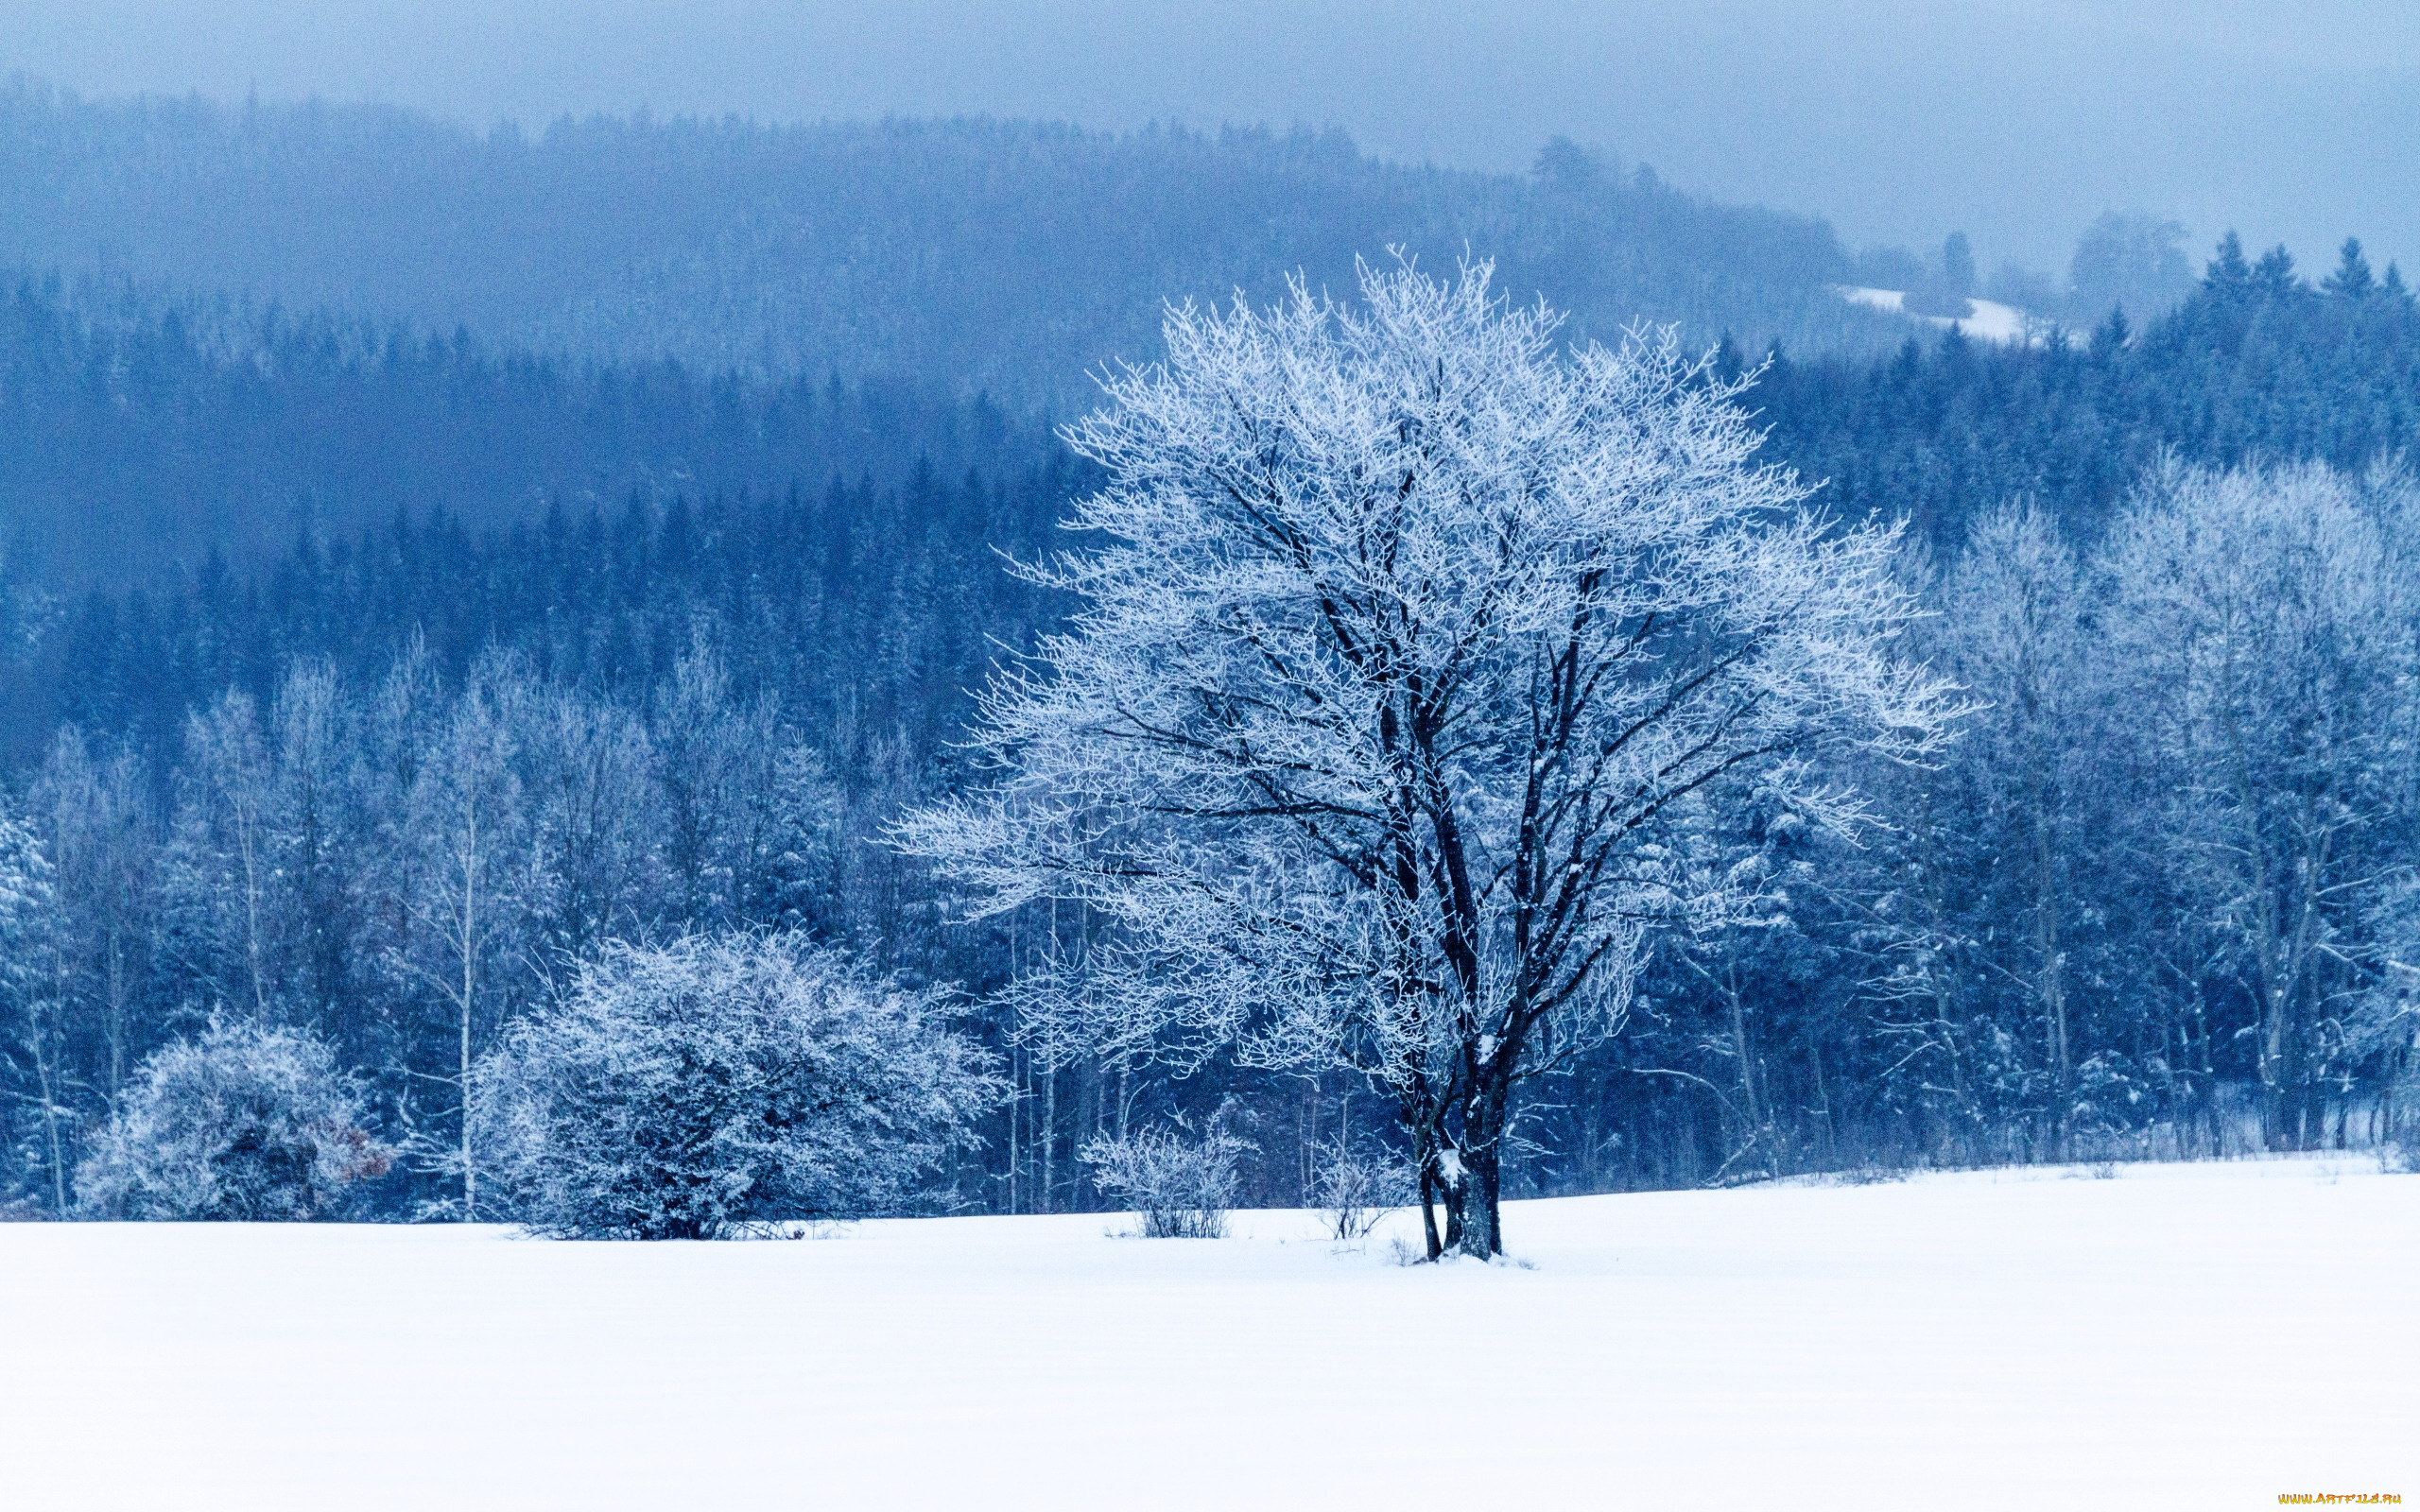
x=1011, y=257
x=138, y=438
x=2258, y=364
x=2155, y=901
x=402, y=867
x=870, y=611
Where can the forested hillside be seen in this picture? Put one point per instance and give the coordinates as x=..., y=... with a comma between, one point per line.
x=982, y=255
x=137, y=437
x=865, y=606
x=691, y=686
x=434, y=560
x=2259, y=364
x=1075, y=744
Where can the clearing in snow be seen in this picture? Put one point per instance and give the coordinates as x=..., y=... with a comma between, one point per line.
x=2189, y=1336
x=1991, y=321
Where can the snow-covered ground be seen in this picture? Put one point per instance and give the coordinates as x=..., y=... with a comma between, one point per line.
x=2188, y=1336
x=1991, y=321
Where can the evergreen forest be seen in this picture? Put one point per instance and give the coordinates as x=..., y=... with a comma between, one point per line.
x=431, y=561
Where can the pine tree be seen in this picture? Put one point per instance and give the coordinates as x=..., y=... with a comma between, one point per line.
x=1957, y=266
x=2229, y=275
x=2273, y=275
x=2351, y=280
x=2110, y=337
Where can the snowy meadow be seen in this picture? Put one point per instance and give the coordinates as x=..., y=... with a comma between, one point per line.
x=1436, y=901
x=2190, y=1336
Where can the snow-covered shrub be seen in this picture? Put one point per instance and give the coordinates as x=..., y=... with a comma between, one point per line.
x=1181, y=1186
x=683, y=1093
x=1356, y=1186
x=249, y=1123
x=2114, y=1094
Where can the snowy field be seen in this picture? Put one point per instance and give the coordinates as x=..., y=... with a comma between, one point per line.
x=2196, y=1337
x=1991, y=321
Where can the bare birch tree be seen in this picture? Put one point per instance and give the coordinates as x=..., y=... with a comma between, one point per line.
x=1408, y=643
x=95, y=822
x=28, y=993
x=2015, y=637
x=225, y=843
x=467, y=818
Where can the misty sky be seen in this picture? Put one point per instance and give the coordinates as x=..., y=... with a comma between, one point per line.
x=2017, y=122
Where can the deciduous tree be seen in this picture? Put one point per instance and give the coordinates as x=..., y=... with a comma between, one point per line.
x=1408, y=641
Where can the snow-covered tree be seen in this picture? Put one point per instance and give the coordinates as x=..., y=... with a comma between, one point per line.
x=468, y=848
x=716, y=750
x=1356, y=1186
x=589, y=804
x=249, y=1123
x=676, y=1092
x=29, y=998
x=791, y=861
x=2014, y=636
x=2265, y=619
x=1408, y=641
x=97, y=827
x=222, y=864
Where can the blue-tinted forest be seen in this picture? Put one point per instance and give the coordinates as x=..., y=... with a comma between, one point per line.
x=647, y=488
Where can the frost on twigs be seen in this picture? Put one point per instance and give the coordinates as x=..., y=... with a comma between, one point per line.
x=1406, y=645
x=1180, y=1185
x=720, y=1086
x=1356, y=1186
x=249, y=1123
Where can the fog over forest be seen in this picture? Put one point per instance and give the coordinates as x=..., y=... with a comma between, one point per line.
x=1588, y=753
x=2016, y=121
x=1701, y=599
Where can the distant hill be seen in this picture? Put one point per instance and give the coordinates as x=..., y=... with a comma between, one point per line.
x=998, y=257
x=141, y=437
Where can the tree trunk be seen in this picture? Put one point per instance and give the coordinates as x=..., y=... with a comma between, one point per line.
x=1474, y=1210
x=115, y=1029
x=1016, y=1104
x=1453, y=1183
x=1482, y=1209
x=1049, y=1141
x=2052, y=983
x=469, y=993
x=46, y=1085
x=1429, y=1209
x=1757, y=1126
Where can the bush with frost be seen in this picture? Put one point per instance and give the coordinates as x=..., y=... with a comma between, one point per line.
x=691, y=1091
x=1356, y=1185
x=249, y=1122
x=1180, y=1185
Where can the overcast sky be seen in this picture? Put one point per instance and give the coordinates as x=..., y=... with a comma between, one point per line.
x=2015, y=121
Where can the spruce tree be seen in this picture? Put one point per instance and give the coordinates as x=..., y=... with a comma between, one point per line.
x=2352, y=278
x=2228, y=274
x=2273, y=275
x=1957, y=266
